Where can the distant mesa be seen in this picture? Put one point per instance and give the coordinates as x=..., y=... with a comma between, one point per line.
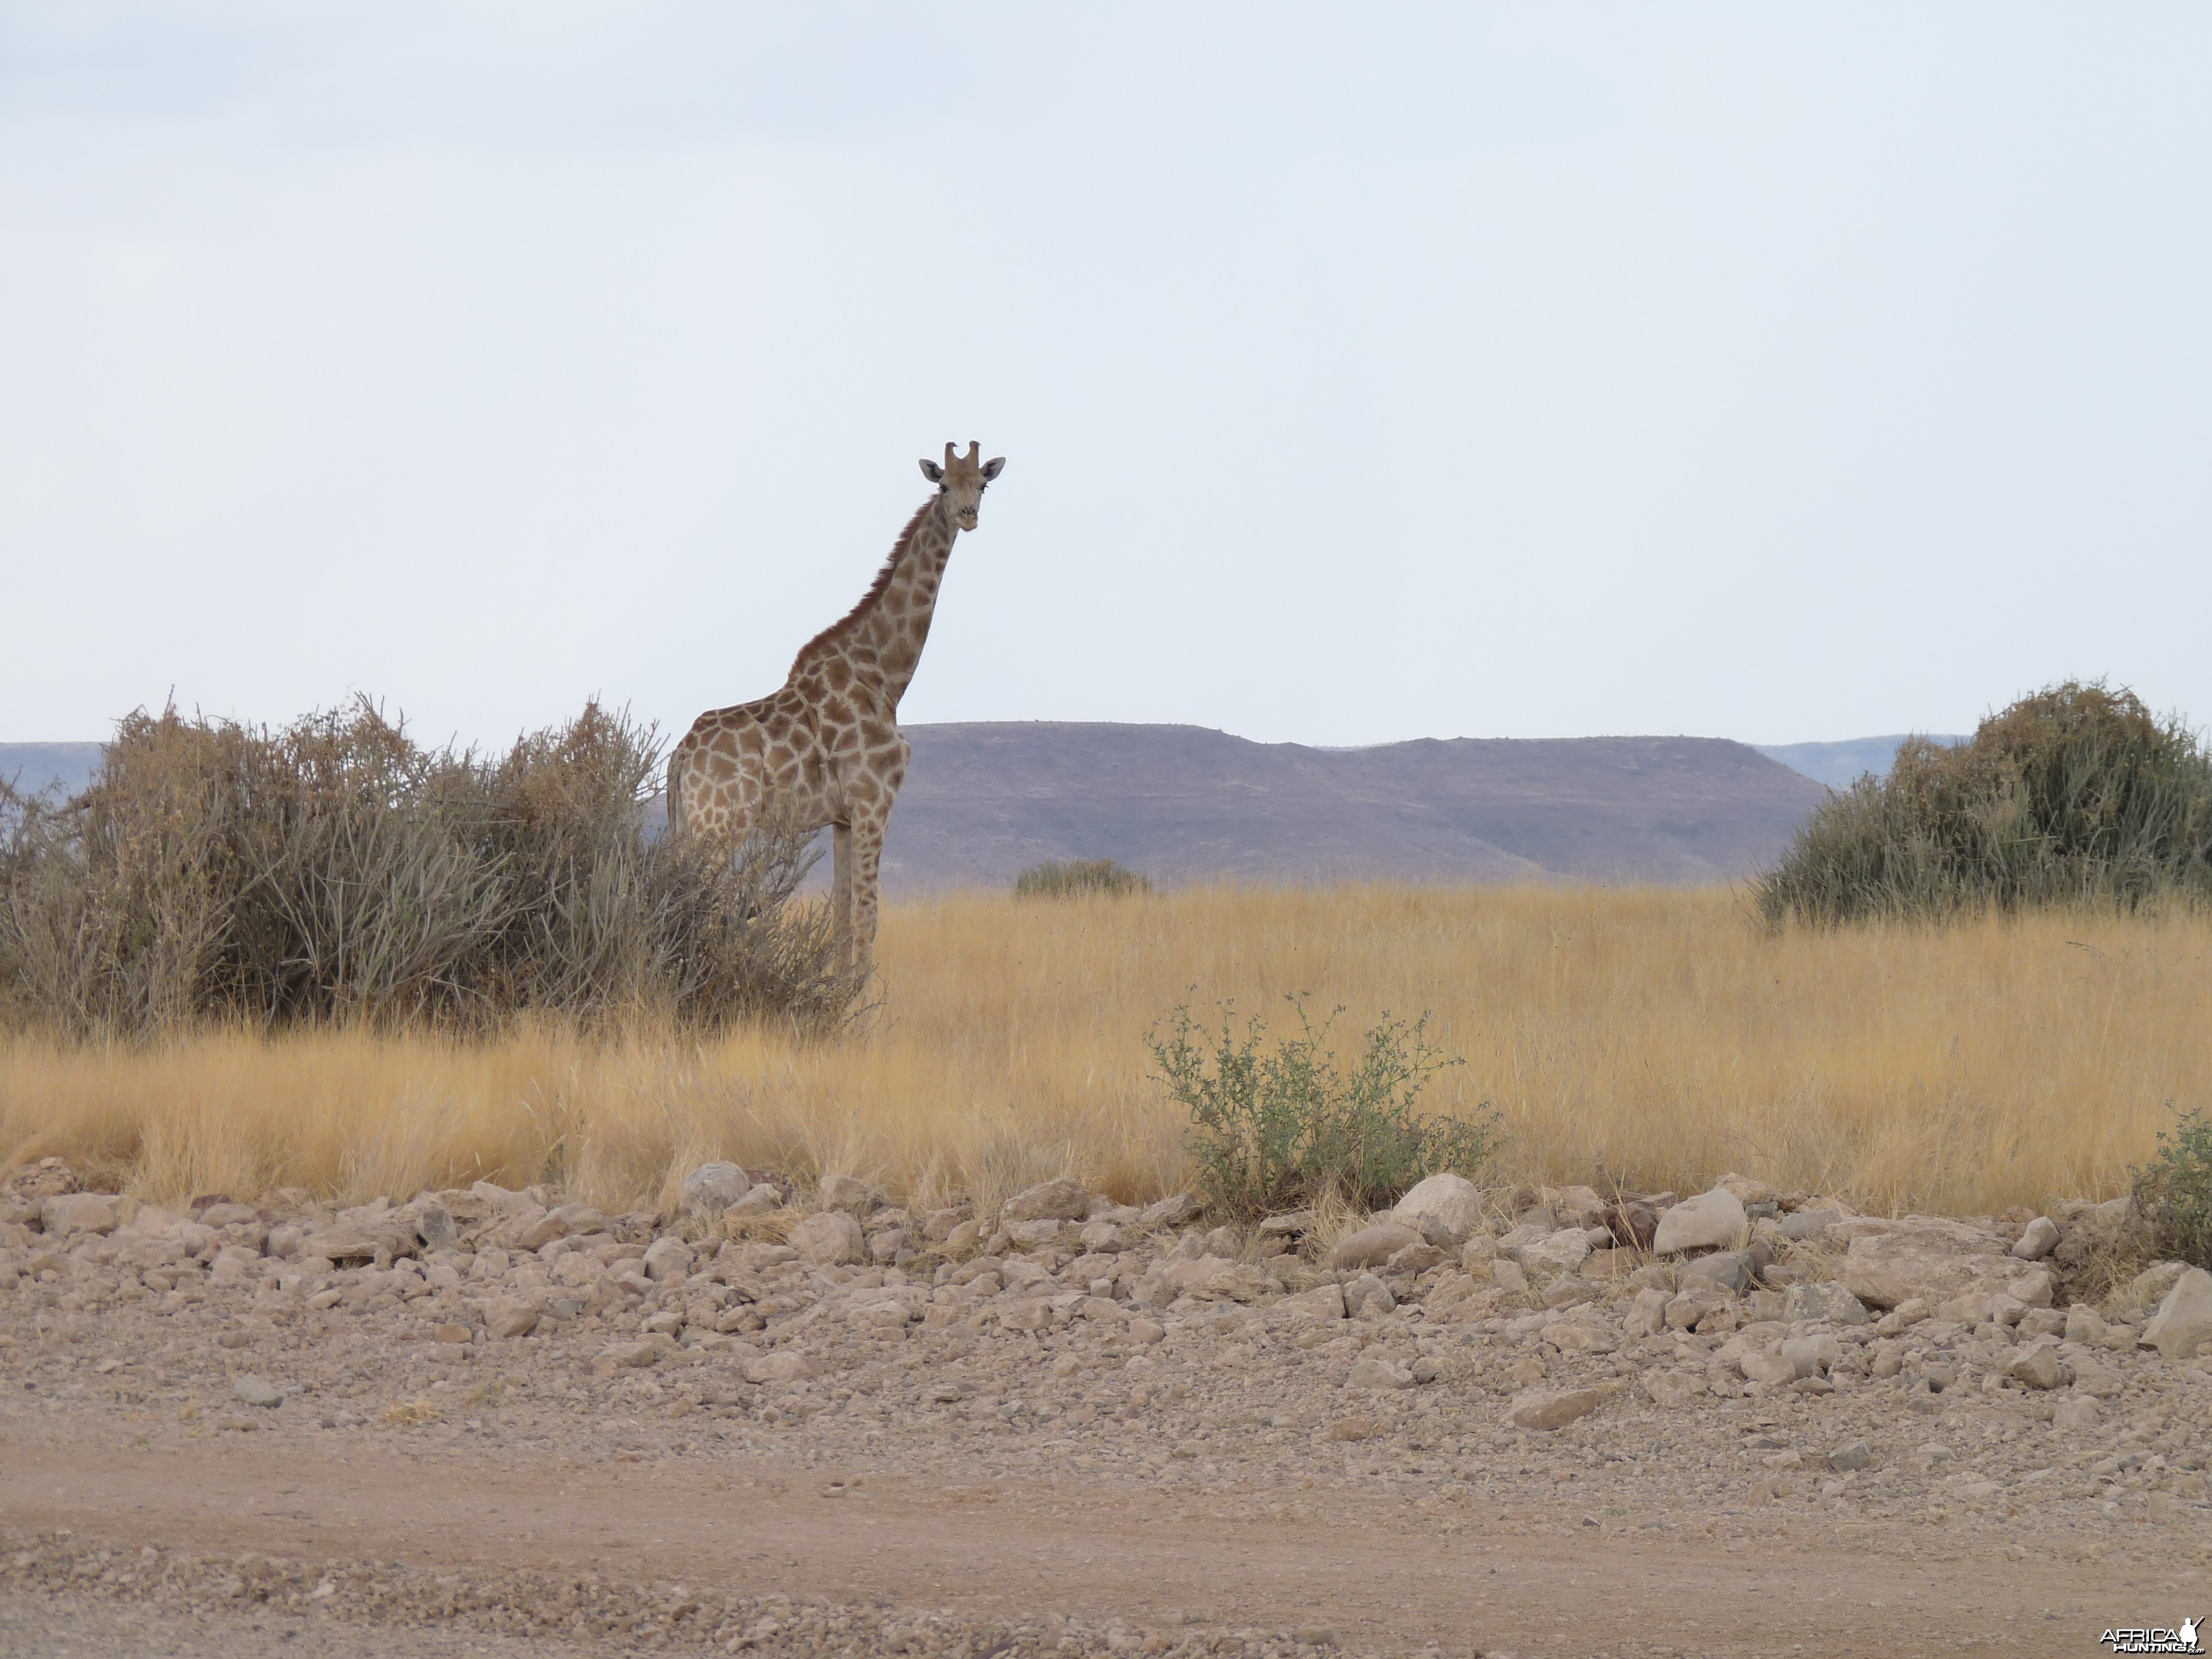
x=986, y=800
x=1840, y=765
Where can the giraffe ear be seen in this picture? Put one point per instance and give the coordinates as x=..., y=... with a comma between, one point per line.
x=991, y=468
x=934, y=473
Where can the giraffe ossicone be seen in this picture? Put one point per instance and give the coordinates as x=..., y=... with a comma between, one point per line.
x=826, y=749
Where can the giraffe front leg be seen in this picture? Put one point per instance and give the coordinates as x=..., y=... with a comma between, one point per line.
x=841, y=890
x=867, y=865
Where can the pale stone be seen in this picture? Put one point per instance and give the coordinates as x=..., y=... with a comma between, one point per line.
x=1887, y=1262
x=1548, y=1411
x=1372, y=1246
x=2040, y=1239
x=1579, y=1207
x=785, y=1365
x=1708, y=1221
x=1451, y=1202
x=1767, y=1366
x=1376, y=1373
x=1676, y=1391
x=2076, y=1412
x=1368, y=1298
x=849, y=1194
x=569, y=1219
x=1171, y=1212
x=1063, y=1199
x=1747, y=1190
x=1829, y=1302
x=1562, y=1252
x=1811, y=1355
x=2038, y=1366
x=1647, y=1314
x=667, y=1257
x=2149, y=1288
x=81, y=1213
x=830, y=1238
x=1729, y=1269
x=713, y=1188
x=510, y=1316
x=1415, y=1259
x=1102, y=1238
x=2183, y=1324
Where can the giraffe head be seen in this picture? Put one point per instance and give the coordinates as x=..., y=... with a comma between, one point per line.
x=964, y=479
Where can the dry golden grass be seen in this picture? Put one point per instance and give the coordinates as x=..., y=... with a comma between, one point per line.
x=1656, y=1035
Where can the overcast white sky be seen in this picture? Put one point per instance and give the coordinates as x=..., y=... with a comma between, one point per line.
x=1364, y=373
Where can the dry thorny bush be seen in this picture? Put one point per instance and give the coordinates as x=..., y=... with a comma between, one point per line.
x=334, y=871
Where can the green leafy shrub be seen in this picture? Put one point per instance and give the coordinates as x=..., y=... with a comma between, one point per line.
x=2173, y=1193
x=1276, y=1128
x=2077, y=795
x=334, y=871
x=1067, y=877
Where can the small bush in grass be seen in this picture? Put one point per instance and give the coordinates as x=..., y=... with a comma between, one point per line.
x=2077, y=795
x=2173, y=1191
x=334, y=871
x=1276, y=1128
x=1067, y=877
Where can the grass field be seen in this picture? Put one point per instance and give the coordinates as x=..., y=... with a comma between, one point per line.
x=1655, y=1035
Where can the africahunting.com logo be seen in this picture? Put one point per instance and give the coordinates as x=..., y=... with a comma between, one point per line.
x=2154, y=1640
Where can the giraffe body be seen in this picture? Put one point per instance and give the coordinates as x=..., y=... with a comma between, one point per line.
x=826, y=749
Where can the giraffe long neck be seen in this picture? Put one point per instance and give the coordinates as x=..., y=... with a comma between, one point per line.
x=897, y=626
x=881, y=638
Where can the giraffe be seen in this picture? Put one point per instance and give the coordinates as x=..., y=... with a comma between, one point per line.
x=826, y=748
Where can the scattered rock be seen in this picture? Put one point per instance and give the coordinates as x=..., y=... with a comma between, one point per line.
x=1558, y=1252
x=1829, y=1302
x=1745, y=1190
x=631, y=1356
x=1368, y=1298
x=2038, y=1366
x=561, y=1223
x=1804, y=1224
x=1887, y=1262
x=849, y=1194
x=81, y=1212
x=1729, y=1269
x=1548, y=1411
x=1632, y=1224
x=1375, y=1373
x=2076, y=1412
x=830, y=1238
x=1175, y=1211
x=2040, y=1239
x=713, y=1187
x=1711, y=1220
x=2183, y=1323
x=510, y=1316
x=1322, y=1302
x=1372, y=1246
x=1450, y=1202
x=1063, y=1199
x=784, y=1366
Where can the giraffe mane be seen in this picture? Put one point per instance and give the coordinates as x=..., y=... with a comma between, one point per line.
x=853, y=618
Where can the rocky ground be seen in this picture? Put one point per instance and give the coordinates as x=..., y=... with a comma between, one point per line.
x=1520, y=1422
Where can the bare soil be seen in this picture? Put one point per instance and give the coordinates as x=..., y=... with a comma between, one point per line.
x=1219, y=1490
